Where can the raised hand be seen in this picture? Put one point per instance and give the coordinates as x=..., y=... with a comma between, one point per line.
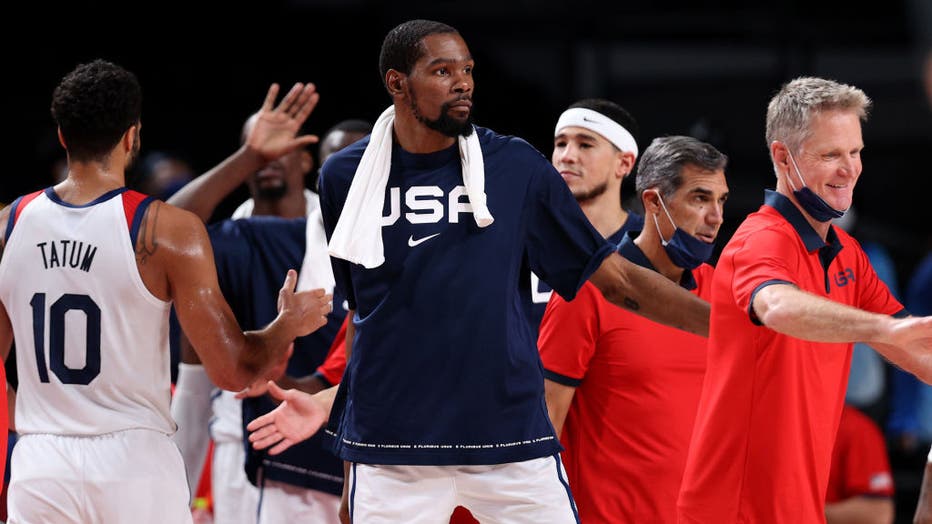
x=275, y=129
x=296, y=418
x=306, y=310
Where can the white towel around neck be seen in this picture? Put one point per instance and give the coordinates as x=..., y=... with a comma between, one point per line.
x=358, y=233
x=316, y=271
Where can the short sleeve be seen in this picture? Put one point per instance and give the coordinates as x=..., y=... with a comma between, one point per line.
x=569, y=334
x=767, y=257
x=563, y=248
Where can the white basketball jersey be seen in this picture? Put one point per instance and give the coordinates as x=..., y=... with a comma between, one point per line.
x=92, y=350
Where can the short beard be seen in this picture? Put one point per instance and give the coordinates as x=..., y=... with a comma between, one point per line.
x=272, y=193
x=444, y=124
x=591, y=194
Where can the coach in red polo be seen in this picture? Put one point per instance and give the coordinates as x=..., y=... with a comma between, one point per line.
x=790, y=295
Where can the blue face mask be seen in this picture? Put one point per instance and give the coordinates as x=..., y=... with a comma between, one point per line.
x=811, y=202
x=684, y=250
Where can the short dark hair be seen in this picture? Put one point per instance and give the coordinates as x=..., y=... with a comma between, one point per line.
x=351, y=125
x=661, y=165
x=402, y=46
x=93, y=106
x=612, y=110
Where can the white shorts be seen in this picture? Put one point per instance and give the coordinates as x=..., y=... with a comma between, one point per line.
x=236, y=501
x=128, y=476
x=529, y=492
x=280, y=502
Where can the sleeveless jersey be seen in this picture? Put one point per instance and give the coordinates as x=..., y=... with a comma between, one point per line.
x=92, y=342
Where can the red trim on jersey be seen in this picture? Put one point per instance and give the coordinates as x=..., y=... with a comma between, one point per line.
x=24, y=202
x=131, y=201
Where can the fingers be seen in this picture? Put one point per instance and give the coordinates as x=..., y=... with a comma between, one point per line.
x=307, y=103
x=268, y=439
x=287, y=104
x=284, y=444
x=261, y=426
x=270, y=97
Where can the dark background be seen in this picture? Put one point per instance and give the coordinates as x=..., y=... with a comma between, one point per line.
x=680, y=67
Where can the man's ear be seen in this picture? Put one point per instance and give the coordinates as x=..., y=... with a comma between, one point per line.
x=650, y=199
x=626, y=162
x=778, y=153
x=395, y=82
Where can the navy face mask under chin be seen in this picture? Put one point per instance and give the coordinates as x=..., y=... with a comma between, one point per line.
x=684, y=250
x=811, y=202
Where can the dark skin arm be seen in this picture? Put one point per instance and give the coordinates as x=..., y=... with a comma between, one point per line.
x=651, y=295
x=176, y=261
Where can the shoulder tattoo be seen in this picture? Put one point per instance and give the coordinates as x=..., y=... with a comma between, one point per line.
x=146, y=242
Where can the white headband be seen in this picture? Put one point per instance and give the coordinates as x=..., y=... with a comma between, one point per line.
x=598, y=123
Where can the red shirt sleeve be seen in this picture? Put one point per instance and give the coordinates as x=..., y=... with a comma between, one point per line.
x=332, y=368
x=569, y=332
x=769, y=255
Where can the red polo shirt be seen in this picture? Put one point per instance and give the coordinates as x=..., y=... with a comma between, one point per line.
x=860, y=467
x=770, y=405
x=637, y=386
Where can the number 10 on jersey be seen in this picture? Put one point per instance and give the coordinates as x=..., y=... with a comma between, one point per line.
x=56, y=317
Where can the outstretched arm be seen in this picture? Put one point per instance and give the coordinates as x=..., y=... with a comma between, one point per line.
x=300, y=414
x=651, y=295
x=297, y=417
x=272, y=136
x=906, y=342
x=175, y=256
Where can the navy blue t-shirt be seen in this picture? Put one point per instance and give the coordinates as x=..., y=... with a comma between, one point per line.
x=444, y=367
x=538, y=293
x=252, y=256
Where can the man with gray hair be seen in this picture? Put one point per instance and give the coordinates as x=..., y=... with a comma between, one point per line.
x=599, y=373
x=791, y=294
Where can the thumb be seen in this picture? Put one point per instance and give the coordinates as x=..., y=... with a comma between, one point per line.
x=291, y=279
x=276, y=392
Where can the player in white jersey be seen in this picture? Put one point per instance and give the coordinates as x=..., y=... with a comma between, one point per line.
x=87, y=275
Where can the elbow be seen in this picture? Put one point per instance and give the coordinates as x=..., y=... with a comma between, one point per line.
x=229, y=378
x=773, y=313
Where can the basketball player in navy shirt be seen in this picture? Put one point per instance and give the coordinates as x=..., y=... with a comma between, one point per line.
x=442, y=401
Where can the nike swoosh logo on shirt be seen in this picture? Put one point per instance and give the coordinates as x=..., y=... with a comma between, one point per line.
x=413, y=242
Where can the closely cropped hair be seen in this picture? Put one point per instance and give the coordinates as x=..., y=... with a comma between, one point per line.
x=790, y=111
x=93, y=106
x=612, y=110
x=661, y=164
x=402, y=46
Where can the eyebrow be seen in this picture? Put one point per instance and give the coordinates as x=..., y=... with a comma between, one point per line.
x=707, y=192
x=442, y=60
x=583, y=136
